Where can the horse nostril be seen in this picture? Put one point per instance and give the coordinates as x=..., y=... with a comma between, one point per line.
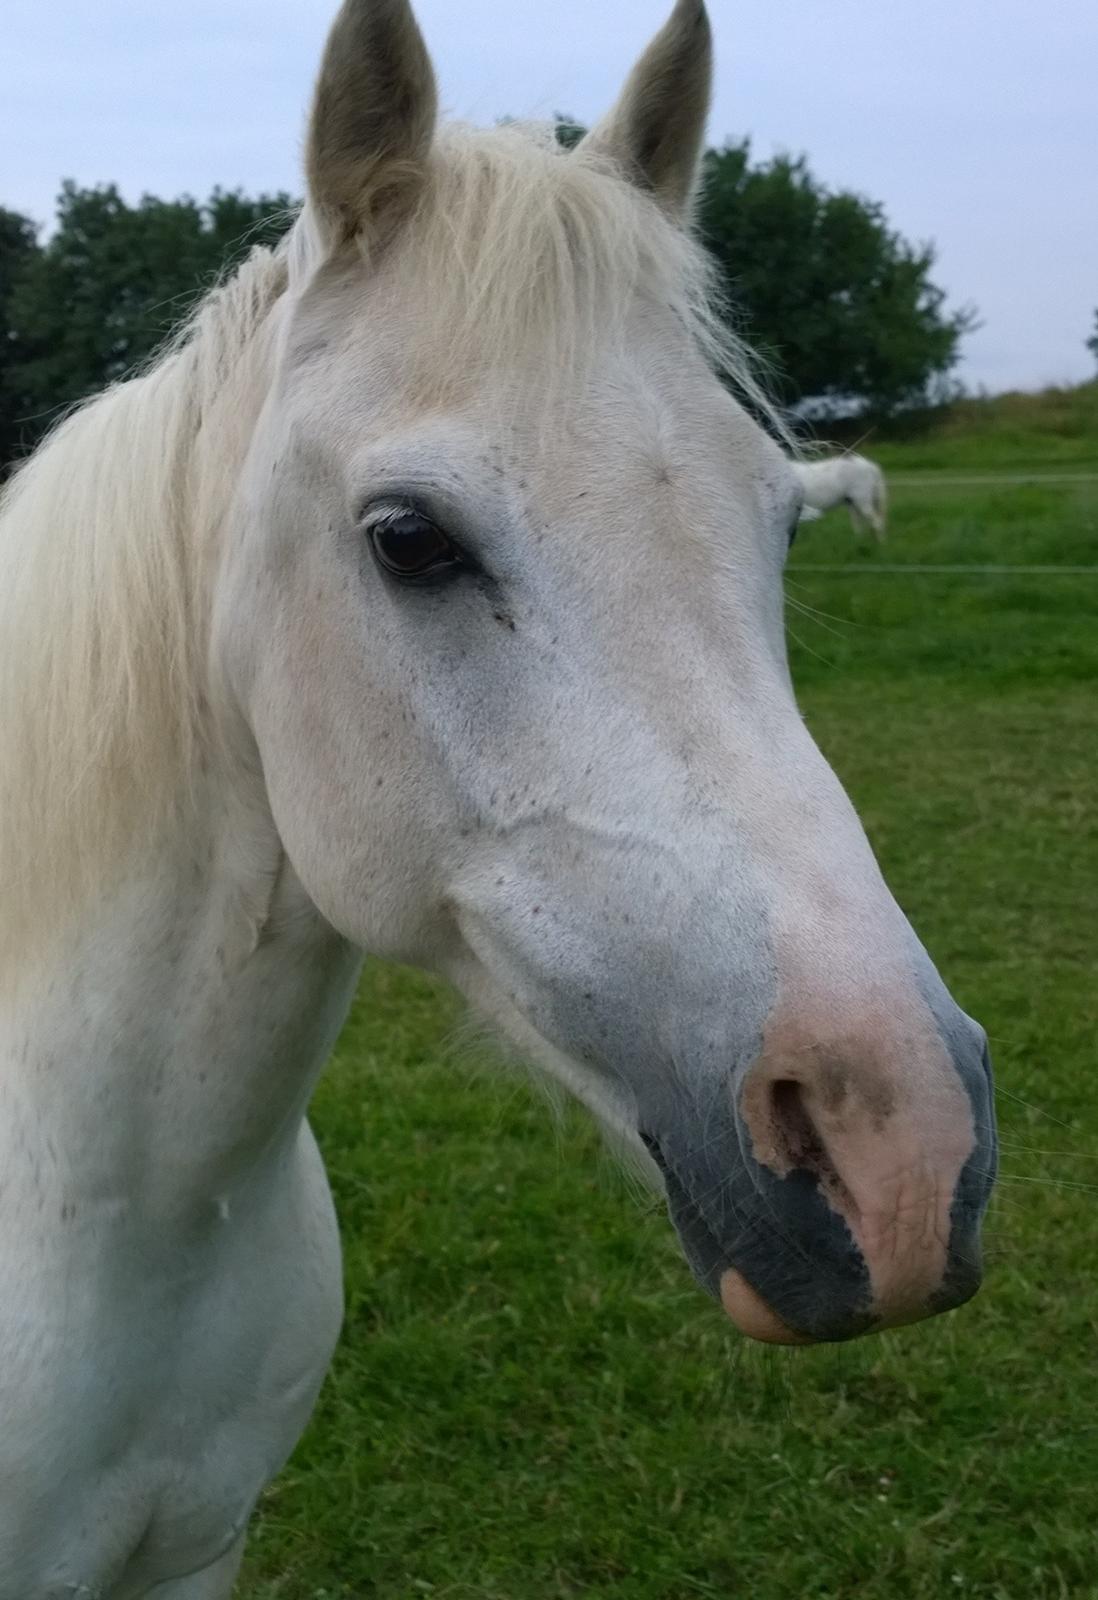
x=795, y=1133
x=799, y=1146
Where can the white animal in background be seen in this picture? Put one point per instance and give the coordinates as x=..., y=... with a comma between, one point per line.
x=845, y=480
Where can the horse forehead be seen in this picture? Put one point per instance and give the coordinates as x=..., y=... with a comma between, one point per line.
x=650, y=417
x=596, y=450
x=668, y=460
x=621, y=471
x=374, y=342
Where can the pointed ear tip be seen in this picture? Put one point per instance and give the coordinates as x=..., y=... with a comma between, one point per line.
x=373, y=116
x=689, y=28
x=692, y=13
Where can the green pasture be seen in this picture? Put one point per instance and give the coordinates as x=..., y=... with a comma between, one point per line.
x=532, y=1402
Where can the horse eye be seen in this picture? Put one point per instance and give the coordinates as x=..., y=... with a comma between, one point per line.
x=410, y=546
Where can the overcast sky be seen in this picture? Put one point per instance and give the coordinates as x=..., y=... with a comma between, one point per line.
x=975, y=121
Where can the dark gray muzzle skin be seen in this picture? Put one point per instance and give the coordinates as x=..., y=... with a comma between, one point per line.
x=793, y=1248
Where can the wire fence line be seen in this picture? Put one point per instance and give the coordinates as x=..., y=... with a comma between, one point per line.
x=934, y=478
x=921, y=569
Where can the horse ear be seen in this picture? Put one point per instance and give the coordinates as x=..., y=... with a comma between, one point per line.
x=373, y=119
x=656, y=132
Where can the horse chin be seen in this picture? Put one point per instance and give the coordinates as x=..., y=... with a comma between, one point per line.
x=751, y=1314
x=745, y=1307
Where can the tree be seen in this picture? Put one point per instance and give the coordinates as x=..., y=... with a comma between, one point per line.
x=569, y=131
x=113, y=279
x=1092, y=342
x=841, y=306
x=18, y=247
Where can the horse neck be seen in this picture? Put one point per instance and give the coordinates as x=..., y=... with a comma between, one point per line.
x=162, y=1056
x=163, y=1048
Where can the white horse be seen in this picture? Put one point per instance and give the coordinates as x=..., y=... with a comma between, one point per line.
x=415, y=603
x=848, y=480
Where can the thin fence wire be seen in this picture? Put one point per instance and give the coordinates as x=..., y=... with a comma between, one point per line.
x=919, y=569
x=935, y=479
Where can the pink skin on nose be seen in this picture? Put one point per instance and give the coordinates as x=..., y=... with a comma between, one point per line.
x=873, y=1106
x=751, y=1314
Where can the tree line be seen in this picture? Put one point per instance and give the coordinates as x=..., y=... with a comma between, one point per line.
x=843, y=310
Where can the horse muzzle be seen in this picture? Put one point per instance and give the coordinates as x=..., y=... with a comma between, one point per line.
x=831, y=1194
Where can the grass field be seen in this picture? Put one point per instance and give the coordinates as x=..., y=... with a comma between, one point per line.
x=532, y=1402
x=1056, y=429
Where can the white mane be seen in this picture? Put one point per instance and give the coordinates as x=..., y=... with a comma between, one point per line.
x=107, y=533
x=517, y=246
x=104, y=535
